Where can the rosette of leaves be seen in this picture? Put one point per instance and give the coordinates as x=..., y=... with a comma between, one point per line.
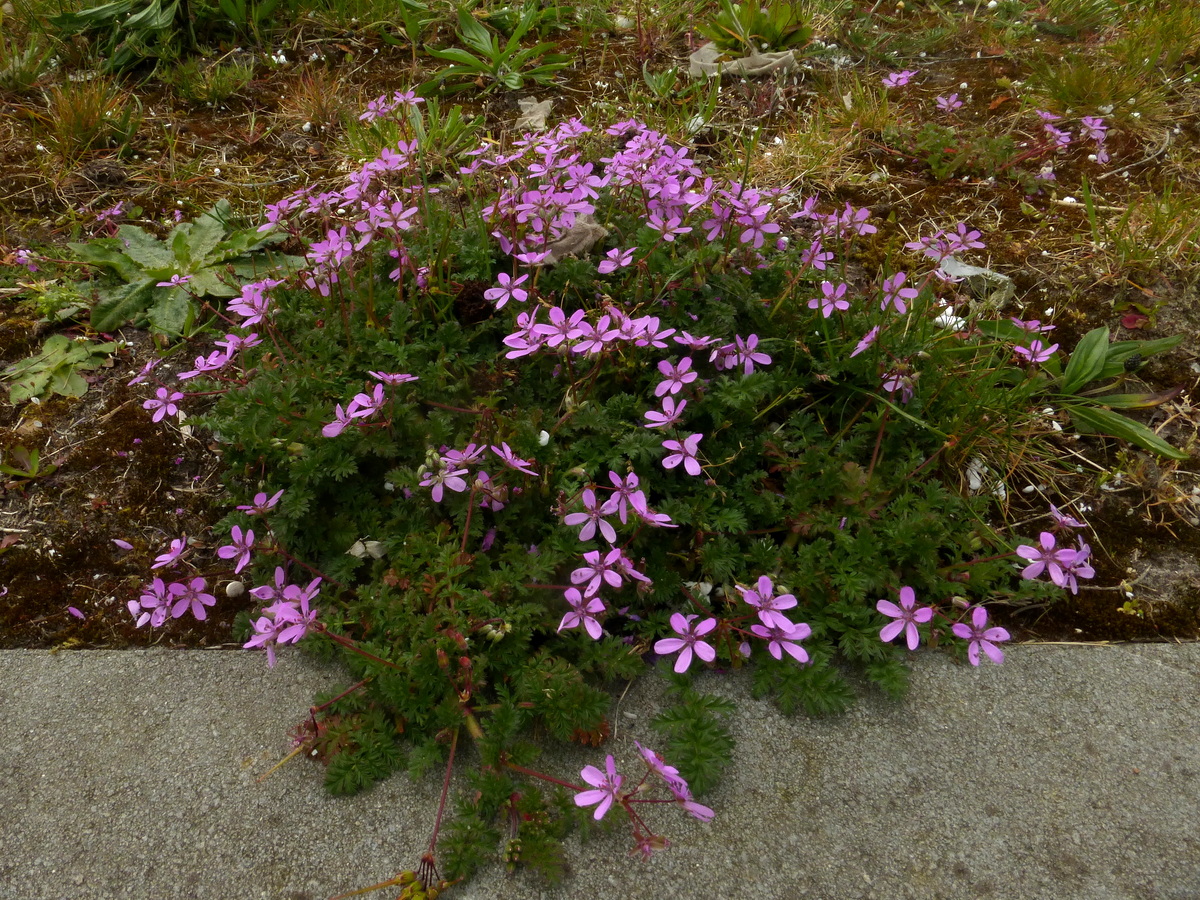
x=747, y=28
x=55, y=370
x=217, y=257
x=492, y=65
x=1091, y=386
x=128, y=32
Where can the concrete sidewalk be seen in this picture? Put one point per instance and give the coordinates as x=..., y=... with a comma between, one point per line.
x=1069, y=772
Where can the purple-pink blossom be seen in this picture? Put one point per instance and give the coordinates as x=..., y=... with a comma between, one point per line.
x=981, y=637
x=762, y=598
x=782, y=635
x=1037, y=352
x=606, y=787
x=898, y=79
x=262, y=504
x=833, y=298
x=907, y=616
x=240, y=549
x=683, y=452
x=689, y=641
x=509, y=289
x=165, y=403
x=583, y=612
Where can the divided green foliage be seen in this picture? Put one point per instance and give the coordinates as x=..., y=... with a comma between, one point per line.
x=698, y=742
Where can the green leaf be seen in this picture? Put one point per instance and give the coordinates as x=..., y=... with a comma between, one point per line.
x=1121, y=351
x=103, y=253
x=173, y=314
x=1136, y=401
x=472, y=31
x=1104, y=421
x=207, y=232
x=144, y=249
x=1087, y=362
x=122, y=304
x=454, y=54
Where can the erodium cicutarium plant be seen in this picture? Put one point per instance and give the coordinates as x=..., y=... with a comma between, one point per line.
x=573, y=409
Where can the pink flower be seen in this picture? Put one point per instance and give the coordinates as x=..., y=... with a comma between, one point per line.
x=685, y=453
x=509, y=289
x=832, y=299
x=675, y=376
x=906, y=617
x=895, y=294
x=591, y=519
x=671, y=411
x=949, y=104
x=1037, y=352
x=606, y=787
x=191, y=596
x=762, y=597
x=392, y=378
x=240, y=549
x=513, y=461
x=172, y=555
x=262, y=504
x=898, y=79
x=164, y=404
x=615, y=259
x=867, y=340
x=1046, y=557
x=583, y=612
x=782, y=635
x=981, y=637
x=689, y=640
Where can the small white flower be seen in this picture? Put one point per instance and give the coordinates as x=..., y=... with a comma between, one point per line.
x=947, y=319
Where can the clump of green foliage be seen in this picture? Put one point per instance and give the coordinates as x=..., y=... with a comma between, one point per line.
x=452, y=401
x=211, y=253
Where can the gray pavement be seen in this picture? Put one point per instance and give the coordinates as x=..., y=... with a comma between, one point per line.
x=1069, y=772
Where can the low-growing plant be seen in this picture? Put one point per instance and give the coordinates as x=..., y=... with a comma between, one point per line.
x=55, y=369
x=157, y=282
x=126, y=32
x=22, y=62
x=595, y=411
x=492, y=65
x=28, y=464
x=749, y=28
x=88, y=116
x=211, y=83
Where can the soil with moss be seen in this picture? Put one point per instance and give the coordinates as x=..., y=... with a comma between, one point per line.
x=122, y=477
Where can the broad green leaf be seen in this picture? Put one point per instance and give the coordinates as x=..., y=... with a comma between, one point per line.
x=1121, y=351
x=472, y=31
x=454, y=54
x=68, y=382
x=102, y=254
x=122, y=304
x=144, y=249
x=173, y=314
x=1087, y=362
x=153, y=18
x=1103, y=421
x=96, y=17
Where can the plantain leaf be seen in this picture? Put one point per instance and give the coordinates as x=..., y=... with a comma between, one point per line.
x=1103, y=421
x=1087, y=362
